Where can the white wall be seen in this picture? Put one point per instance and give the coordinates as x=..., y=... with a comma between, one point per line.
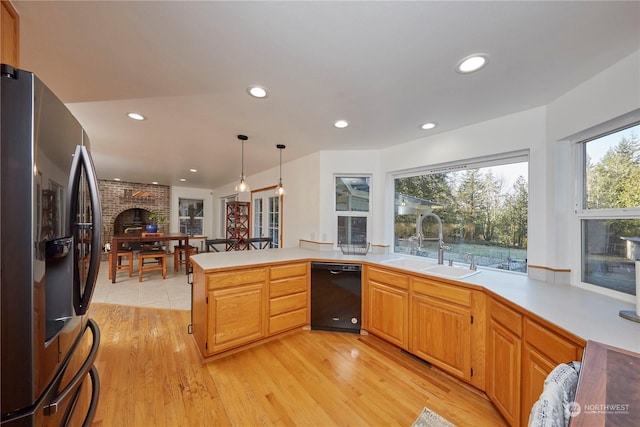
x=301, y=204
x=309, y=199
x=301, y=207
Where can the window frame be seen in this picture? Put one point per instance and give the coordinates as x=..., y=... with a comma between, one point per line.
x=196, y=218
x=499, y=159
x=581, y=212
x=267, y=228
x=350, y=214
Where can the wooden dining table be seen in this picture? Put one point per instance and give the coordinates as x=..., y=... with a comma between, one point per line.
x=118, y=239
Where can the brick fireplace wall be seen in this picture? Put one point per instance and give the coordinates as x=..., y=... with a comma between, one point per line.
x=118, y=197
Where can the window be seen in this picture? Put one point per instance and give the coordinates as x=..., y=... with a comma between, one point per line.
x=191, y=216
x=610, y=209
x=483, y=205
x=352, y=210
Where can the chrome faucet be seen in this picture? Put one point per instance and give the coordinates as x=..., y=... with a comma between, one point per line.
x=472, y=265
x=441, y=245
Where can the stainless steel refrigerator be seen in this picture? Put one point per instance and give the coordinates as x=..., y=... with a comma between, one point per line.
x=50, y=225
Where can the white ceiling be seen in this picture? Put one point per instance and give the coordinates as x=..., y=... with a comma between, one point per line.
x=386, y=67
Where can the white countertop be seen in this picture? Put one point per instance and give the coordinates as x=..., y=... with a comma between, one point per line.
x=586, y=314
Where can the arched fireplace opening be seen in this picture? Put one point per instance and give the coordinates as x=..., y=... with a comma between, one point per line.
x=131, y=221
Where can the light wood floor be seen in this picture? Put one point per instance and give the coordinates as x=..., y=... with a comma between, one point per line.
x=151, y=375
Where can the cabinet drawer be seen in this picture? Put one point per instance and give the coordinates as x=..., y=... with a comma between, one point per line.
x=288, y=320
x=290, y=270
x=287, y=303
x=507, y=317
x=287, y=287
x=442, y=291
x=389, y=278
x=237, y=277
x=550, y=344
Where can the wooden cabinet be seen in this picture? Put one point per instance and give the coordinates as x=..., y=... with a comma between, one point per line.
x=235, y=308
x=237, y=223
x=387, y=305
x=544, y=348
x=9, y=34
x=441, y=322
x=504, y=360
x=521, y=352
x=288, y=297
x=235, y=316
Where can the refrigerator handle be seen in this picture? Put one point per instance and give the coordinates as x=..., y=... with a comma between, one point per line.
x=95, y=387
x=52, y=407
x=82, y=160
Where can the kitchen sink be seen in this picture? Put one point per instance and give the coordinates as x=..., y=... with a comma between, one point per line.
x=410, y=263
x=452, y=271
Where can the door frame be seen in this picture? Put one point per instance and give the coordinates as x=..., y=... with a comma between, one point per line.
x=280, y=213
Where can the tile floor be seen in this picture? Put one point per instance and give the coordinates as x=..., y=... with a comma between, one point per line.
x=173, y=292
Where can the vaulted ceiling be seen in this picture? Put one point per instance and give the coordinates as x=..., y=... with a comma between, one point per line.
x=386, y=67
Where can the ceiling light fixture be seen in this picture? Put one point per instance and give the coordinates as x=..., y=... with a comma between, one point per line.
x=341, y=124
x=242, y=186
x=136, y=116
x=193, y=170
x=257, y=91
x=427, y=126
x=280, y=188
x=472, y=63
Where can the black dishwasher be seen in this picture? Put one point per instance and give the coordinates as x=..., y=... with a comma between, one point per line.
x=336, y=297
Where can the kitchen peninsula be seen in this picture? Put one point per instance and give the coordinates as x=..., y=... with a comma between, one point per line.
x=509, y=330
x=586, y=314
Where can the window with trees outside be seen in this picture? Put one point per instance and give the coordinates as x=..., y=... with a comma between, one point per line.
x=610, y=212
x=191, y=216
x=352, y=210
x=483, y=205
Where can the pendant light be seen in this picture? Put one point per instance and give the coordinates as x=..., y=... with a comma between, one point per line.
x=280, y=188
x=242, y=186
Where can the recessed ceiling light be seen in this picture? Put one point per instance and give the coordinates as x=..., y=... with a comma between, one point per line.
x=116, y=179
x=428, y=126
x=155, y=182
x=193, y=170
x=183, y=179
x=472, y=63
x=341, y=124
x=136, y=116
x=257, y=91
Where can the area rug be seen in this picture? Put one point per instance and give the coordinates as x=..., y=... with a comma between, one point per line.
x=430, y=419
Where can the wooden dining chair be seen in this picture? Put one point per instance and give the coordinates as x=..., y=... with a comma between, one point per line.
x=178, y=252
x=260, y=243
x=156, y=260
x=119, y=265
